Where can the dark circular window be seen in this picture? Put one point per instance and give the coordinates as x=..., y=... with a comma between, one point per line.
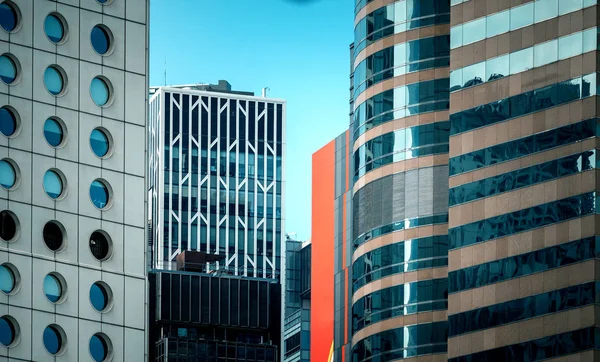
x=53, y=339
x=8, y=331
x=104, y=2
x=54, y=80
x=9, y=16
x=8, y=69
x=53, y=235
x=100, y=245
x=99, y=346
x=8, y=225
x=101, y=39
x=100, y=296
x=99, y=142
x=99, y=194
x=55, y=28
x=7, y=279
x=53, y=132
x=53, y=287
x=8, y=122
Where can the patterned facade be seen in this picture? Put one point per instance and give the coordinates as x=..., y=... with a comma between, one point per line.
x=73, y=99
x=523, y=180
x=217, y=179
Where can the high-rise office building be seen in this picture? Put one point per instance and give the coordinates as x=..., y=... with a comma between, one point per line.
x=216, y=192
x=523, y=181
x=399, y=146
x=73, y=97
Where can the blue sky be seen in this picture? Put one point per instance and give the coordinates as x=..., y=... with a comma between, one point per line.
x=297, y=48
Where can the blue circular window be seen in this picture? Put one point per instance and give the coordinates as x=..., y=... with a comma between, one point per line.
x=54, y=80
x=9, y=17
x=99, y=142
x=8, y=69
x=8, y=122
x=54, y=27
x=52, y=288
x=101, y=39
x=100, y=91
x=99, y=347
x=8, y=331
x=99, y=194
x=8, y=174
x=7, y=279
x=53, y=184
x=99, y=296
x=53, y=339
x=103, y=2
x=53, y=132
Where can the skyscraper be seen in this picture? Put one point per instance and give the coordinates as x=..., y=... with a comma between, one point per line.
x=399, y=140
x=216, y=194
x=523, y=181
x=73, y=96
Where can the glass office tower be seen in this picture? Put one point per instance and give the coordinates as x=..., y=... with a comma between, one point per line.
x=399, y=140
x=523, y=180
x=73, y=100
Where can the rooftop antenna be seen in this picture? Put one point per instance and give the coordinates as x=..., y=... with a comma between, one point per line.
x=264, y=91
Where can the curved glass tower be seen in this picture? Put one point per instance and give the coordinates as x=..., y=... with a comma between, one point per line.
x=399, y=139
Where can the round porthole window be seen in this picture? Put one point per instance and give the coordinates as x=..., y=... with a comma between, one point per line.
x=54, y=132
x=54, y=287
x=9, y=278
x=9, y=331
x=9, y=226
x=55, y=28
x=9, y=121
x=10, y=16
x=100, y=90
x=54, y=184
x=100, y=194
x=55, y=80
x=54, y=339
x=54, y=235
x=102, y=39
x=100, y=245
x=100, y=347
x=9, y=174
x=100, y=296
x=100, y=142
x=9, y=69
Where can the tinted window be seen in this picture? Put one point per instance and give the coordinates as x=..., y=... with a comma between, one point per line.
x=8, y=122
x=8, y=176
x=53, y=132
x=52, y=288
x=54, y=28
x=53, y=184
x=53, y=80
x=8, y=69
x=7, y=279
x=99, y=194
x=8, y=17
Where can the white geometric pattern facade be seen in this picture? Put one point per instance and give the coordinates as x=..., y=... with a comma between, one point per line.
x=216, y=166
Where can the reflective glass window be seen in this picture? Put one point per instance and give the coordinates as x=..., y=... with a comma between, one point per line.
x=568, y=6
x=473, y=31
x=8, y=17
x=570, y=45
x=99, y=194
x=7, y=331
x=590, y=40
x=98, y=348
x=8, y=69
x=521, y=60
x=8, y=122
x=521, y=16
x=106, y=1
x=8, y=225
x=496, y=68
x=52, y=288
x=545, y=53
x=53, y=80
x=8, y=175
x=53, y=132
x=52, y=339
x=498, y=23
x=54, y=28
x=99, y=142
x=98, y=297
x=545, y=9
x=101, y=40
x=473, y=74
x=99, y=91
x=99, y=245
x=456, y=36
x=53, y=184
x=7, y=279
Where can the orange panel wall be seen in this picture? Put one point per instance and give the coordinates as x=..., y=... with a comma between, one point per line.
x=322, y=280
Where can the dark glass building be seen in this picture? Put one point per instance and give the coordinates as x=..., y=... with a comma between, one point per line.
x=522, y=274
